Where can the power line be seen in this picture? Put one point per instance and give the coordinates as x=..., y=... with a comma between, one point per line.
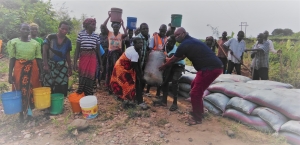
x=244, y=24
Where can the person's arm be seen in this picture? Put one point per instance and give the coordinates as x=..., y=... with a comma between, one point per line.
x=12, y=62
x=170, y=62
x=272, y=47
x=45, y=58
x=69, y=64
x=99, y=56
x=38, y=58
x=76, y=55
x=106, y=21
x=137, y=69
x=125, y=31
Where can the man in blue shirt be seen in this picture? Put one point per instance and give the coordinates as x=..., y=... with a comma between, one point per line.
x=205, y=61
x=172, y=74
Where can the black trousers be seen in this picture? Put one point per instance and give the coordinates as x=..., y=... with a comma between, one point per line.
x=63, y=89
x=236, y=66
x=261, y=73
x=139, y=91
x=224, y=61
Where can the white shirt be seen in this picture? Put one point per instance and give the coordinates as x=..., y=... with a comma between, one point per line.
x=237, y=48
x=271, y=48
x=131, y=54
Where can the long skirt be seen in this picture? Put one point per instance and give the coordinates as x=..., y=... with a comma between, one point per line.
x=58, y=77
x=26, y=75
x=123, y=79
x=87, y=72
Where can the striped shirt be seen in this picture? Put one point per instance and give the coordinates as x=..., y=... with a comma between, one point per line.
x=88, y=41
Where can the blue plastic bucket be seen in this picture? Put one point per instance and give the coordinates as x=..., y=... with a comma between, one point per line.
x=12, y=102
x=131, y=22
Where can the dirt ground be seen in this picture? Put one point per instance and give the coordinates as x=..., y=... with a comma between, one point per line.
x=129, y=127
x=114, y=125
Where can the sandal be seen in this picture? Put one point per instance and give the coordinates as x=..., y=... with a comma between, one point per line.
x=159, y=103
x=173, y=107
x=192, y=121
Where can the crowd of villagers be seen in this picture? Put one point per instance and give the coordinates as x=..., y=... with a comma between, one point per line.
x=116, y=59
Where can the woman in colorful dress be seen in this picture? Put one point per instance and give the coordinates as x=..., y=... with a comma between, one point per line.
x=24, y=68
x=126, y=76
x=56, y=54
x=87, y=50
x=115, y=41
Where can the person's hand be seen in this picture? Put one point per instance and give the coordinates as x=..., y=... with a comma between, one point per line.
x=46, y=69
x=279, y=51
x=70, y=72
x=109, y=14
x=161, y=68
x=122, y=22
x=231, y=52
x=167, y=59
x=11, y=79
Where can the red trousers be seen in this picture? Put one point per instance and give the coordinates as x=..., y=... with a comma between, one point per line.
x=201, y=82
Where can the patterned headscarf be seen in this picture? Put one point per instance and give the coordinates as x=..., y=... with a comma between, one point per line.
x=88, y=22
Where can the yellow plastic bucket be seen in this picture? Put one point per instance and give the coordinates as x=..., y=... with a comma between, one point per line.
x=42, y=97
x=89, y=107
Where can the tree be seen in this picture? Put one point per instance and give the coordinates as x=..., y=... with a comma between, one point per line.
x=282, y=32
x=13, y=13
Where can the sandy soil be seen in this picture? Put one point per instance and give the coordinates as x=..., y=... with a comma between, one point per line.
x=114, y=125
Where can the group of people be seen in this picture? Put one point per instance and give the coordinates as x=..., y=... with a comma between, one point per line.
x=35, y=62
x=237, y=47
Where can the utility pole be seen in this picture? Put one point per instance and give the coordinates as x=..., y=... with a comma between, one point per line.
x=244, y=24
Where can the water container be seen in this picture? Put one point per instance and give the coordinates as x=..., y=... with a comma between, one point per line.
x=89, y=107
x=12, y=102
x=115, y=14
x=42, y=97
x=74, y=101
x=131, y=23
x=176, y=20
x=57, y=103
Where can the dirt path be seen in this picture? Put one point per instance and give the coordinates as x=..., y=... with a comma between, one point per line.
x=129, y=127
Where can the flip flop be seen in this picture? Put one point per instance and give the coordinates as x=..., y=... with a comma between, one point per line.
x=173, y=107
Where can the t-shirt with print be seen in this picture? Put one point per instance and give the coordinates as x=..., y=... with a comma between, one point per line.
x=131, y=54
x=114, y=42
x=198, y=53
x=60, y=49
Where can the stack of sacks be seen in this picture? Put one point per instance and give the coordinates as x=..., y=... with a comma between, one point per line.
x=286, y=102
x=231, y=78
x=291, y=131
x=187, y=78
x=266, y=106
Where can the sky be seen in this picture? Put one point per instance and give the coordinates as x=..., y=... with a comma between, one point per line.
x=224, y=15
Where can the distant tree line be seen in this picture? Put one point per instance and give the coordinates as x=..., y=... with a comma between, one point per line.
x=282, y=32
